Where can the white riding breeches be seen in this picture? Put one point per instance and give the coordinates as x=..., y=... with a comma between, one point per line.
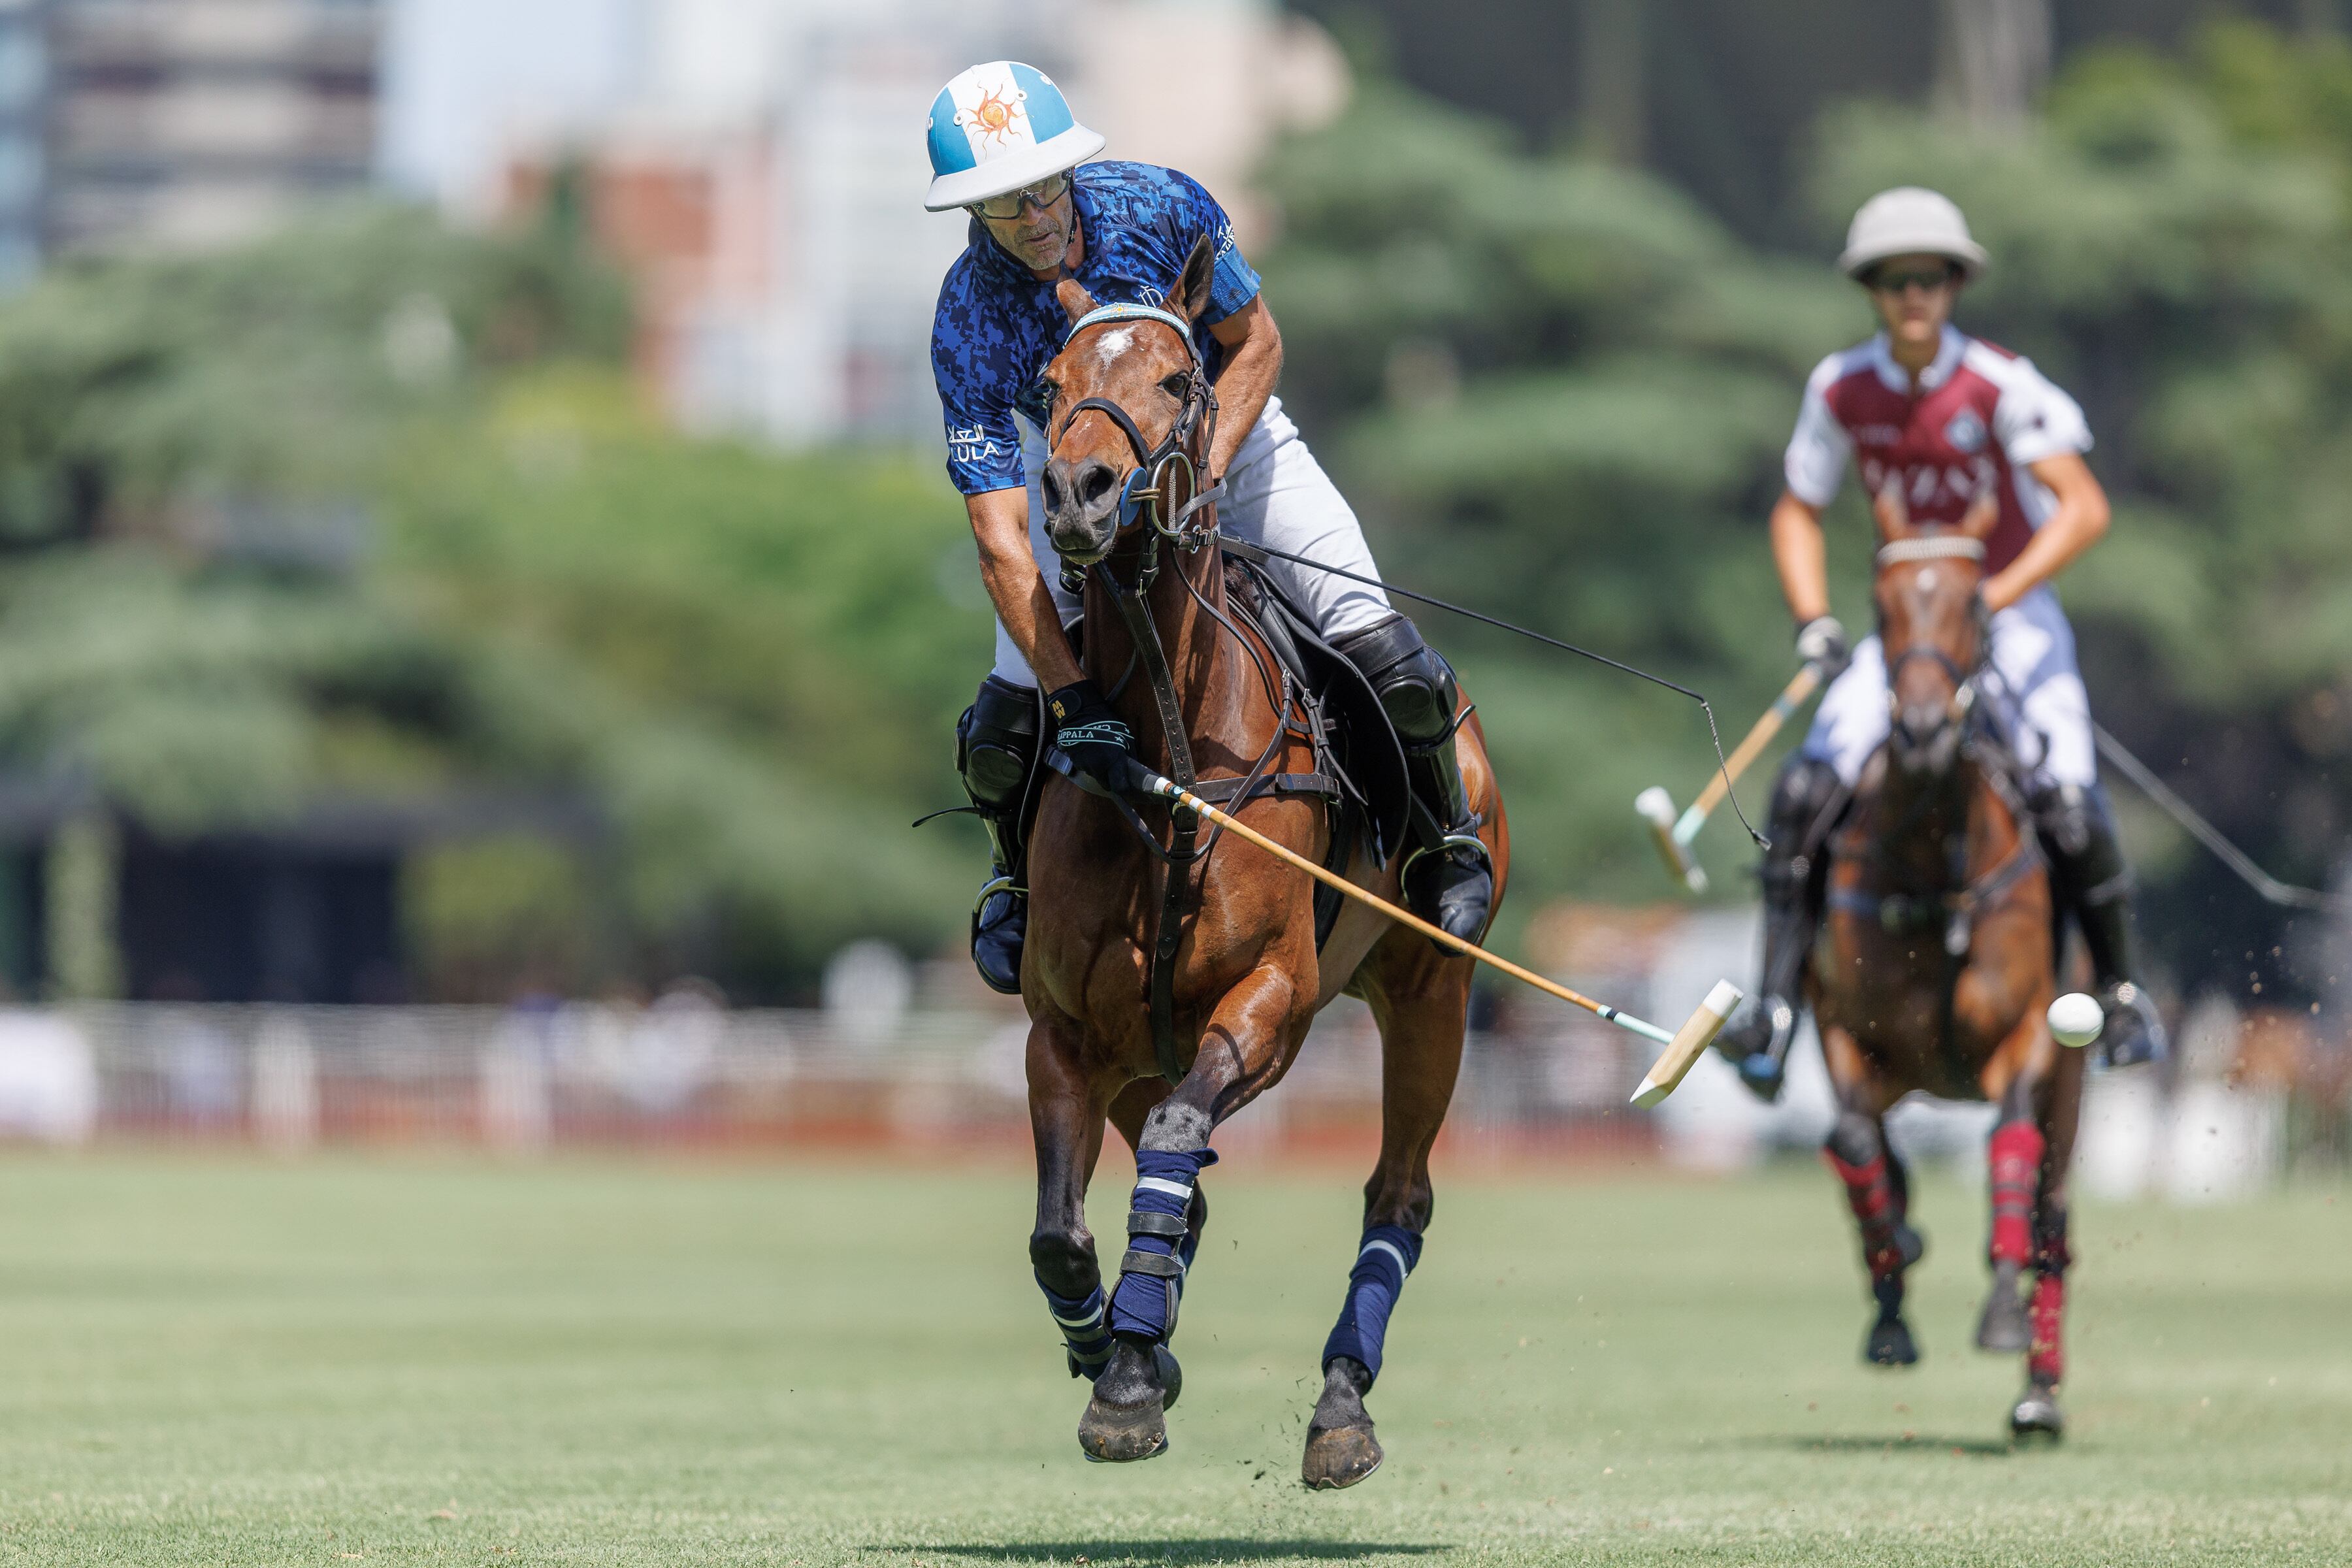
x=1277, y=495
x=2033, y=689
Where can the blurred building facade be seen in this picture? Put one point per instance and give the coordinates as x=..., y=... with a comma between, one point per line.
x=128, y=123
x=760, y=169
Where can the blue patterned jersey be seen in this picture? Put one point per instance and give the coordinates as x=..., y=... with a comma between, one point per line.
x=999, y=324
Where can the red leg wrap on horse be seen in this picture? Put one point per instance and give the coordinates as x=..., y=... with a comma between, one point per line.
x=2046, y=1362
x=2016, y=1159
x=1871, y=1196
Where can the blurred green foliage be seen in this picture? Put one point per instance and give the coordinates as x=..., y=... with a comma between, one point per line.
x=1558, y=391
x=368, y=512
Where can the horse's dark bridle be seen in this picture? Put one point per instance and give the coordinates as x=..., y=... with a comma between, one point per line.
x=1195, y=430
x=1938, y=547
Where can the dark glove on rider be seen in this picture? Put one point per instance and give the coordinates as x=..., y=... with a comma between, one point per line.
x=1821, y=642
x=1100, y=746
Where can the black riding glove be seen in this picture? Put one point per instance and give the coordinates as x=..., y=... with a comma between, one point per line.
x=1821, y=642
x=1099, y=745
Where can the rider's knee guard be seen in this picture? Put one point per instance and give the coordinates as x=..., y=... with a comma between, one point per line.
x=1450, y=877
x=996, y=753
x=1806, y=798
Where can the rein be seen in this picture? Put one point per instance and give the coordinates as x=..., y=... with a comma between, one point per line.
x=1148, y=495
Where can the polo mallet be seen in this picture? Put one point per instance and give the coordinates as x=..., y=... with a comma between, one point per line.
x=1657, y=808
x=1683, y=1046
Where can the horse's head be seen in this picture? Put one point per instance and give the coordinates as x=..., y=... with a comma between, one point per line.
x=1930, y=626
x=1131, y=405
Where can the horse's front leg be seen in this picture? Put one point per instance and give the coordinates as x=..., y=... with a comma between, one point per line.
x=1877, y=1189
x=1420, y=998
x=1241, y=1053
x=2037, y=1410
x=2019, y=1078
x=1066, y=1120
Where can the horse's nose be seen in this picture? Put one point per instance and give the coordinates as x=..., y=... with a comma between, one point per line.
x=1918, y=725
x=1081, y=500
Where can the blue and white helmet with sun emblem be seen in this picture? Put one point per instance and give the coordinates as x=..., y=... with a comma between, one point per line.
x=998, y=127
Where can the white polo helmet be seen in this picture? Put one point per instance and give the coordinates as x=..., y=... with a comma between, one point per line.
x=998, y=127
x=1909, y=220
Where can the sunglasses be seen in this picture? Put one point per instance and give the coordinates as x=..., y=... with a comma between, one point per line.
x=1041, y=195
x=1903, y=282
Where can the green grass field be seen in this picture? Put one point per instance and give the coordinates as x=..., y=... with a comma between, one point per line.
x=221, y=1360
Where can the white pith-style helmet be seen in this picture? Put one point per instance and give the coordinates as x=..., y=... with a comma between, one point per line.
x=1909, y=220
x=998, y=127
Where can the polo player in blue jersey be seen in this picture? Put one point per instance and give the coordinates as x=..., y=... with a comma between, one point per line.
x=1005, y=148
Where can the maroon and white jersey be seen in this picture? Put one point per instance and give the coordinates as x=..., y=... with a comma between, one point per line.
x=1980, y=416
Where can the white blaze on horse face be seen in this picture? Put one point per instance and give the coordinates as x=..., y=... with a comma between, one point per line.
x=1112, y=344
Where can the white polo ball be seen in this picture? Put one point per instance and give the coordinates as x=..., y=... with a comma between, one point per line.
x=2076, y=1019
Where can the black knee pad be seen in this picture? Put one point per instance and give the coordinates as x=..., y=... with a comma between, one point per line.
x=2070, y=818
x=1803, y=797
x=1415, y=684
x=1854, y=1138
x=996, y=741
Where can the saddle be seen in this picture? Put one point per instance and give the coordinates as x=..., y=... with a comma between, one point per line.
x=1359, y=771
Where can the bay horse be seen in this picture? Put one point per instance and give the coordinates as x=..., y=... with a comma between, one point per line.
x=1938, y=966
x=1130, y=426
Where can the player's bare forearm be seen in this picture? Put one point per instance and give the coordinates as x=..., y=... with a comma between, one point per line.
x=1801, y=556
x=1000, y=526
x=2080, y=521
x=1253, y=345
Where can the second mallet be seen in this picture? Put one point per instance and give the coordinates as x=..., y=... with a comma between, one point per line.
x=1674, y=834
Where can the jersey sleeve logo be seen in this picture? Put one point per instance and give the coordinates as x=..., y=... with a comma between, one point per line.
x=1966, y=433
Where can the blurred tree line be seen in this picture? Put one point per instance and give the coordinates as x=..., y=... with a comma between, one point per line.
x=1560, y=390
x=370, y=512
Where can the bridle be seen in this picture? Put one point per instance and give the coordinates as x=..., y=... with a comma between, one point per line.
x=1193, y=432
x=1936, y=547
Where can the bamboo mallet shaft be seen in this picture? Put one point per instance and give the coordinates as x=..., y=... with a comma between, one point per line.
x=1791, y=698
x=1683, y=1045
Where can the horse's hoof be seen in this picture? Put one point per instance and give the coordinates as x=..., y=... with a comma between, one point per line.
x=1890, y=1344
x=2004, y=1329
x=2037, y=1415
x=1339, y=1456
x=1119, y=1434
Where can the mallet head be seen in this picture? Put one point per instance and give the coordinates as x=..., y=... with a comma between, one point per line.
x=1657, y=809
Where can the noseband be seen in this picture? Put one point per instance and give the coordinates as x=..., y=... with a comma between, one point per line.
x=1936, y=547
x=1197, y=420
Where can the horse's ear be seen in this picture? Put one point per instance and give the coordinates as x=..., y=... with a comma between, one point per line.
x=1191, y=296
x=1074, y=299
x=1983, y=513
x=1887, y=505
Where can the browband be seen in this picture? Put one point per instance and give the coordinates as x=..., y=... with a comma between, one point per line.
x=1932, y=547
x=1103, y=313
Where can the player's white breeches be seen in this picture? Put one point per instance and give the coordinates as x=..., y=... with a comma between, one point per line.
x=1277, y=494
x=2033, y=692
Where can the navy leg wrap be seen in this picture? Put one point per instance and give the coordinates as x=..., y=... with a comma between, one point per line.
x=1159, y=1245
x=1085, y=1334
x=1388, y=1254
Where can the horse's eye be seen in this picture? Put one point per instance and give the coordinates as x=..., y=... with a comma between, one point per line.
x=1178, y=386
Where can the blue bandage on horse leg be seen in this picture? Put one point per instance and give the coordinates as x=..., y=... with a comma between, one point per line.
x=1159, y=1244
x=1084, y=1332
x=1388, y=1255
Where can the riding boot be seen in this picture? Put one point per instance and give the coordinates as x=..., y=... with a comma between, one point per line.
x=1448, y=878
x=1757, y=1037
x=2092, y=881
x=996, y=753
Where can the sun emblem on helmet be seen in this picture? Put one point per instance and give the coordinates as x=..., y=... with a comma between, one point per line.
x=993, y=116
